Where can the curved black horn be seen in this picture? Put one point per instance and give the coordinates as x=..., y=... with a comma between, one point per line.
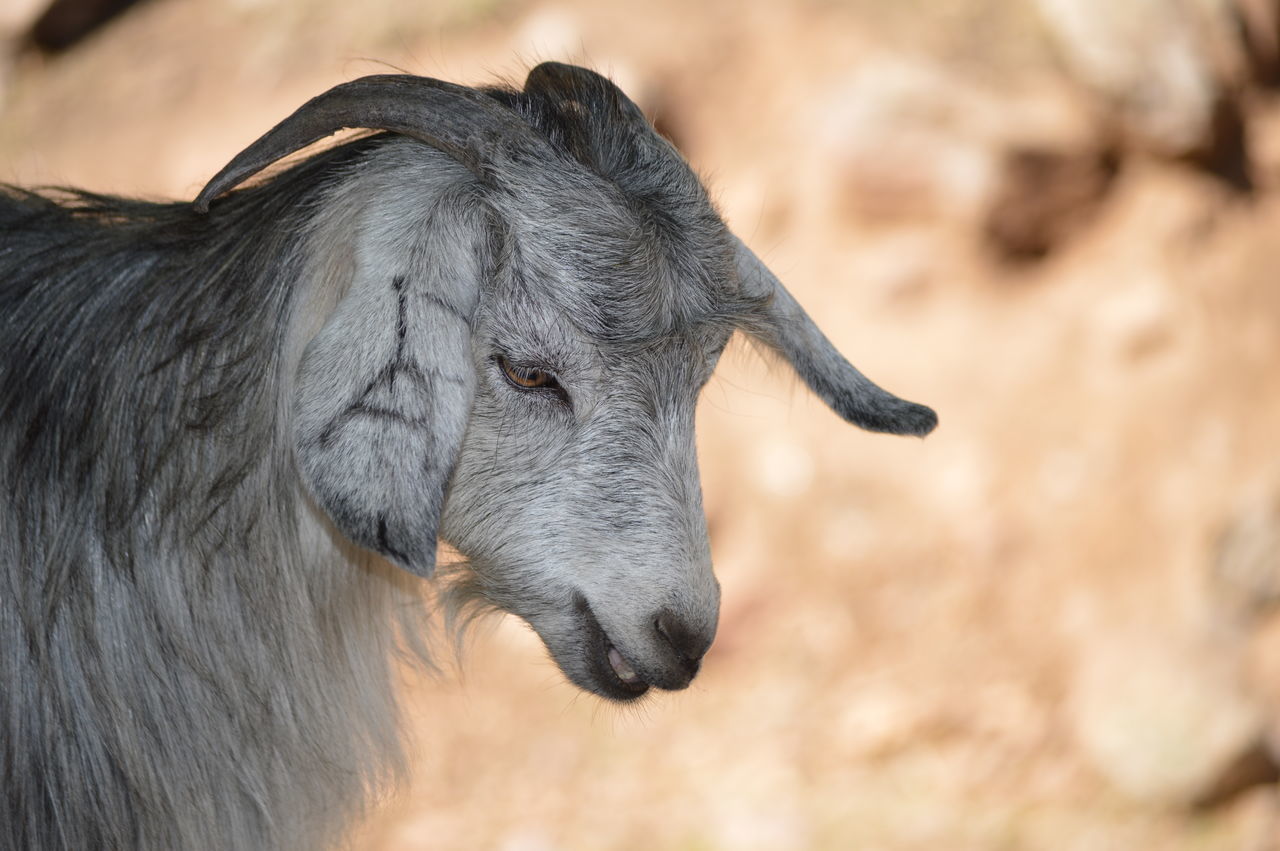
x=786, y=328
x=455, y=119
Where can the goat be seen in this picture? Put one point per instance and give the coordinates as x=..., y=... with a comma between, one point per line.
x=233, y=431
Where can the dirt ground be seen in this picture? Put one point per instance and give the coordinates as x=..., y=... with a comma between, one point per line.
x=1047, y=626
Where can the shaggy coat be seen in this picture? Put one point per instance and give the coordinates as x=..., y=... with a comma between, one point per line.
x=232, y=432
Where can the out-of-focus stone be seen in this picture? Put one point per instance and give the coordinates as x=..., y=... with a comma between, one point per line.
x=907, y=138
x=1260, y=36
x=1135, y=321
x=65, y=23
x=1149, y=58
x=898, y=266
x=1244, y=577
x=877, y=720
x=551, y=31
x=783, y=468
x=1161, y=720
x=528, y=839
x=1170, y=73
x=1262, y=663
x=16, y=18
x=1255, y=765
x=17, y=15
x=1043, y=197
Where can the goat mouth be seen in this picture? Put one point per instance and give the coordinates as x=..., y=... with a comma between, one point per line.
x=609, y=674
x=621, y=668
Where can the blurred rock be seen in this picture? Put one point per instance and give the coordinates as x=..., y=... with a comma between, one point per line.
x=1170, y=72
x=1244, y=576
x=1148, y=57
x=1163, y=722
x=1254, y=766
x=1136, y=320
x=899, y=266
x=18, y=15
x=784, y=468
x=877, y=720
x=1243, y=594
x=1262, y=670
x=1260, y=39
x=66, y=22
x=907, y=138
x=548, y=32
x=1043, y=197
x=528, y=839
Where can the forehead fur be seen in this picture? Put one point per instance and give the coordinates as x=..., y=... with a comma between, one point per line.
x=632, y=248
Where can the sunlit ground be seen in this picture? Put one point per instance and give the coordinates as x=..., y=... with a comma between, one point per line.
x=1017, y=633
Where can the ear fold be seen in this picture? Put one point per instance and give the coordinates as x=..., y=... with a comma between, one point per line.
x=784, y=326
x=384, y=390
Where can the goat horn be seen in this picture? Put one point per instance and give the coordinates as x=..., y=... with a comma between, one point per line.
x=449, y=117
x=786, y=328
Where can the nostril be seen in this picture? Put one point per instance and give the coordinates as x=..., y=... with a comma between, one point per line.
x=689, y=644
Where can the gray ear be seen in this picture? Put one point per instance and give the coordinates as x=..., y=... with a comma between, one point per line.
x=785, y=327
x=384, y=391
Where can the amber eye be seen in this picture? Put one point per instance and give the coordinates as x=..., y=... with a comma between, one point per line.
x=527, y=377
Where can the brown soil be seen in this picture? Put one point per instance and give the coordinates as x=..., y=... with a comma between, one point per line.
x=1006, y=636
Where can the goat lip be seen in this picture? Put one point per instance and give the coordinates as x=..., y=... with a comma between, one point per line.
x=605, y=676
x=622, y=676
x=622, y=668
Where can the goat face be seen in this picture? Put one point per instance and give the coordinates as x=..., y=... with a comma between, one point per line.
x=577, y=501
x=517, y=368
x=576, y=497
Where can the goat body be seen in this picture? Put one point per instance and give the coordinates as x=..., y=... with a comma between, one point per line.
x=232, y=432
x=186, y=659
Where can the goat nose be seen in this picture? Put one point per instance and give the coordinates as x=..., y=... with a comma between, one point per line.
x=689, y=643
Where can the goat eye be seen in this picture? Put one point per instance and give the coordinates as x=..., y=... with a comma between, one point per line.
x=527, y=378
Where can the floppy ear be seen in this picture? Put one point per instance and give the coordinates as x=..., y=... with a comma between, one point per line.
x=384, y=390
x=783, y=325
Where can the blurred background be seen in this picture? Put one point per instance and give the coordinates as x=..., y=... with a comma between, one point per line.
x=1050, y=625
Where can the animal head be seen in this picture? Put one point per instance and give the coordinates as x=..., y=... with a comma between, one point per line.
x=516, y=362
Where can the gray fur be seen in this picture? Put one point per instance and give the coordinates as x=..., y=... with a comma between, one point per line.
x=224, y=432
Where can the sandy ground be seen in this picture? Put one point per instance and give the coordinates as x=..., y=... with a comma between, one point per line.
x=1015, y=634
